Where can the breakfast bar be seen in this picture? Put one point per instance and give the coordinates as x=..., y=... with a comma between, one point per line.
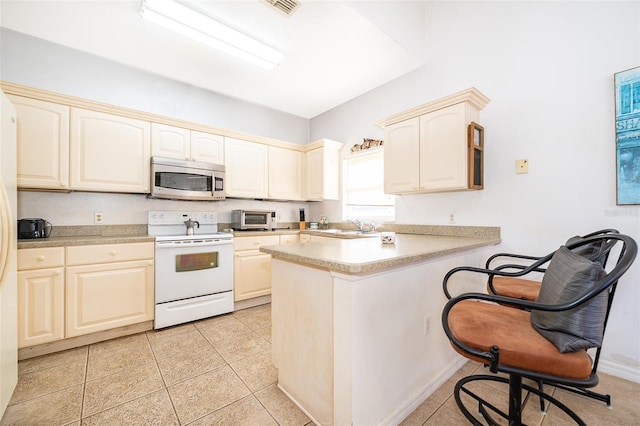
x=357, y=337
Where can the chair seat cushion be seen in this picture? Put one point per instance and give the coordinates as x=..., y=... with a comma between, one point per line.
x=518, y=288
x=482, y=325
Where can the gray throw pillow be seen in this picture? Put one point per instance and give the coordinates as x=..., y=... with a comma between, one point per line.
x=568, y=276
x=593, y=251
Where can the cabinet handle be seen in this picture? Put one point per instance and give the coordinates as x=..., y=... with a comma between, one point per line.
x=150, y=263
x=57, y=273
x=114, y=252
x=40, y=258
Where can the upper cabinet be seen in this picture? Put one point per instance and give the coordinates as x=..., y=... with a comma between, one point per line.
x=426, y=148
x=322, y=171
x=247, y=169
x=285, y=173
x=43, y=144
x=109, y=153
x=67, y=143
x=184, y=144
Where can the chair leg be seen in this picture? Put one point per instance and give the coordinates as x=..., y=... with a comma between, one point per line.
x=541, y=389
x=516, y=406
x=515, y=400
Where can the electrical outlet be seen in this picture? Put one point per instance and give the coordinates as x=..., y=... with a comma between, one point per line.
x=98, y=218
x=522, y=166
x=452, y=217
x=427, y=324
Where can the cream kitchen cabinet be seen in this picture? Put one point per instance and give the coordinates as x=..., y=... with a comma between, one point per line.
x=40, y=296
x=108, y=286
x=426, y=148
x=322, y=171
x=305, y=238
x=252, y=268
x=285, y=174
x=43, y=144
x=184, y=144
x=247, y=169
x=289, y=239
x=109, y=153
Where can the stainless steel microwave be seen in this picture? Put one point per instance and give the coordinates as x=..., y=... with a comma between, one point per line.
x=186, y=180
x=243, y=220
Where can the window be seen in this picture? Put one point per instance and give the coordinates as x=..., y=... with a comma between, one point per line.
x=364, y=196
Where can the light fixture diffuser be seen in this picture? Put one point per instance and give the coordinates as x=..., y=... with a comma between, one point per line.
x=191, y=23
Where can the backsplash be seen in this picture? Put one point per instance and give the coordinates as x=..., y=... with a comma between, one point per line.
x=78, y=208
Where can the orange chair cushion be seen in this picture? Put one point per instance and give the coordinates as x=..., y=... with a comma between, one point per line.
x=482, y=325
x=517, y=288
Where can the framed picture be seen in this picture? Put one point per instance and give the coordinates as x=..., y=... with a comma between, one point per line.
x=627, y=110
x=475, y=141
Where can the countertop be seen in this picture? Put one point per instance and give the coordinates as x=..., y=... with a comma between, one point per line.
x=366, y=255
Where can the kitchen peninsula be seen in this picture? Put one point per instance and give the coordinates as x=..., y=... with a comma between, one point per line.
x=357, y=337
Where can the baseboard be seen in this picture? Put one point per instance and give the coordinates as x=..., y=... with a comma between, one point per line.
x=622, y=371
x=250, y=303
x=410, y=406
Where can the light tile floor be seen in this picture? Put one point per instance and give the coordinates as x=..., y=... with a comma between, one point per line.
x=218, y=371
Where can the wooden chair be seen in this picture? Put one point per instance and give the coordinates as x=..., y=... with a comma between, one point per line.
x=546, y=340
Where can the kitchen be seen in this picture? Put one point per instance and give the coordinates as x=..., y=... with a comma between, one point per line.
x=533, y=114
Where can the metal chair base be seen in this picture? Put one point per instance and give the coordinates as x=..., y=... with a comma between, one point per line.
x=516, y=404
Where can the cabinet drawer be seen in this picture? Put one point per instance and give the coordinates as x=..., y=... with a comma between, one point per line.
x=40, y=258
x=288, y=239
x=107, y=253
x=247, y=243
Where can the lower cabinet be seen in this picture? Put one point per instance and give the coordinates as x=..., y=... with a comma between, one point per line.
x=252, y=268
x=102, y=287
x=40, y=296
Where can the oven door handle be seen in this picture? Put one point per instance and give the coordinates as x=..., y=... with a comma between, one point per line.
x=191, y=243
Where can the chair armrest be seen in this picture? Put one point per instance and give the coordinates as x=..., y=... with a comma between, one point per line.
x=520, y=271
x=509, y=255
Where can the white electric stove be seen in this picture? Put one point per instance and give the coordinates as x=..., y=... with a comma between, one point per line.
x=193, y=273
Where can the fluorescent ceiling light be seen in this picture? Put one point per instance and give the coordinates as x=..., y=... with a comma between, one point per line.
x=188, y=22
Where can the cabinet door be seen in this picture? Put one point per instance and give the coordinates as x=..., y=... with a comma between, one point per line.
x=314, y=174
x=170, y=141
x=443, y=149
x=43, y=144
x=252, y=274
x=285, y=174
x=110, y=295
x=109, y=153
x=246, y=169
x=402, y=156
x=40, y=306
x=207, y=147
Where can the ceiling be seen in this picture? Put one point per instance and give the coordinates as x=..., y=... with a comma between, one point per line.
x=334, y=50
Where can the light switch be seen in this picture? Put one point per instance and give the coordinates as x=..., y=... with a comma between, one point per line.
x=522, y=166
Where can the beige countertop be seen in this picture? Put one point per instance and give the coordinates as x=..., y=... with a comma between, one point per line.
x=366, y=255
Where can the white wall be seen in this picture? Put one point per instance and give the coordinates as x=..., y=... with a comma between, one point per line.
x=548, y=68
x=38, y=63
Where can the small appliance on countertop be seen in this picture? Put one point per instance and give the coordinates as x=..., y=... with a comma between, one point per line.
x=252, y=220
x=31, y=228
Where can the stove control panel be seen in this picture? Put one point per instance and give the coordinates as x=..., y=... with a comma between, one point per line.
x=179, y=217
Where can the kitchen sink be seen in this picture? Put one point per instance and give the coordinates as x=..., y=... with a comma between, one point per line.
x=346, y=232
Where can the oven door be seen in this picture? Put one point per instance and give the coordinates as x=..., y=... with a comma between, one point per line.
x=186, y=268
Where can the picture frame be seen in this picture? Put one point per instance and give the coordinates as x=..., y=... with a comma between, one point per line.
x=475, y=142
x=627, y=134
